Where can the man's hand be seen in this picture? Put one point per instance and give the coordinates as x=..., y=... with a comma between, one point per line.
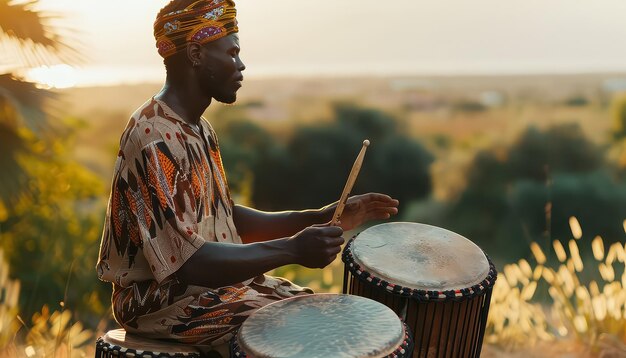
x=317, y=246
x=363, y=208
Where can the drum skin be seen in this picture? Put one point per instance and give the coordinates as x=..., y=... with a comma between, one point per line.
x=436, y=280
x=421, y=257
x=323, y=325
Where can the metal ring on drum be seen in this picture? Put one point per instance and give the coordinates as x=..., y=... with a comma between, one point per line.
x=437, y=281
x=323, y=325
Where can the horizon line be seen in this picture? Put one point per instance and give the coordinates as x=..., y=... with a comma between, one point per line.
x=357, y=75
x=111, y=76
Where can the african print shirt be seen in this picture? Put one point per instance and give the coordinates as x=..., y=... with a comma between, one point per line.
x=169, y=195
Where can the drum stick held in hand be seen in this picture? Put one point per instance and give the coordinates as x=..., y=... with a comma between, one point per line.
x=350, y=183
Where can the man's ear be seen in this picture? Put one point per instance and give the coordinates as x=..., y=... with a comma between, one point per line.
x=194, y=53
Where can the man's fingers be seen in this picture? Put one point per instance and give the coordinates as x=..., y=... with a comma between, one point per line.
x=331, y=231
x=381, y=203
x=352, y=206
x=325, y=230
x=380, y=197
x=328, y=261
x=374, y=206
x=328, y=224
x=371, y=200
x=381, y=214
x=333, y=251
x=335, y=241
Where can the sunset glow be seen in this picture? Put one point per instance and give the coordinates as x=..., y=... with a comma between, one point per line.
x=282, y=38
x=57, y=76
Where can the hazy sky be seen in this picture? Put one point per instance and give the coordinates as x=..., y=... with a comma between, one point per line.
x=284, y=37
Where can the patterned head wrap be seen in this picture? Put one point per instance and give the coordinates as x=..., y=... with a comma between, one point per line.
x=203, y=21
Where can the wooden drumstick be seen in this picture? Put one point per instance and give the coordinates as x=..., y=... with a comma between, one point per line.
x=356, y=167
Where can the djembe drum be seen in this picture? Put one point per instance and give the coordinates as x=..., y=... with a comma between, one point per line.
x=323, y=325
x=439, y=282
x=117, y=343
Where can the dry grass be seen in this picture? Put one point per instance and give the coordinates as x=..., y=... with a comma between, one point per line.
x=52, y=334
x=591, y=315
x=9, y=293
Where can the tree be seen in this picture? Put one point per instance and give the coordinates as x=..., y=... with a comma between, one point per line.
x=312, y=168
x=51, y=236
x=243, y=145
x=529, y=193
x=562, y=148
x=27, y=33
x=50, y=217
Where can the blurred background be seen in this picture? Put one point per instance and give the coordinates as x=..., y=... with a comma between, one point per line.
x=504, y=122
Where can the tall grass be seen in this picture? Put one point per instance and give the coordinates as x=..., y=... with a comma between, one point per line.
x=592, y=313
x=9, y=294
x=51, y=334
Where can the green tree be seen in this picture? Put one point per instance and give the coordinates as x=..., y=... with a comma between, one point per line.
x=51, y=236
x=562, y=148
x=312, y=168
x=243, y=145
x=529, y=193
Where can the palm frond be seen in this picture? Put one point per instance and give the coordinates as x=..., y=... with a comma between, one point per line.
x=20, y=21
x=26, y=32
x=28, y=101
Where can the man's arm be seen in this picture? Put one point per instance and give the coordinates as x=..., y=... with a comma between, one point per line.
x=257, y=226
x=222, y=264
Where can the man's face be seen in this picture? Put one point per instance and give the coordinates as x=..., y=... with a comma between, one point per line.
x=219, y=74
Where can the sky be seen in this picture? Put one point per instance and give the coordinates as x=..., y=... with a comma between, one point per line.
x=365, y=37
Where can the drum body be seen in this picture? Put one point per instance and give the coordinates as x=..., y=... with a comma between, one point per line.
x=117, y=343
x=323, y=325
x=437, y=281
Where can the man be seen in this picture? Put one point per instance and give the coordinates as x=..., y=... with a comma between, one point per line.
x=185, y=262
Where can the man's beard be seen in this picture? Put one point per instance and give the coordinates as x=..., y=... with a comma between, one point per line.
x=226, y=98
x=216, y=89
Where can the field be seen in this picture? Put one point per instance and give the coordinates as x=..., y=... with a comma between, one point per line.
x=560, y=293
x=470, y=112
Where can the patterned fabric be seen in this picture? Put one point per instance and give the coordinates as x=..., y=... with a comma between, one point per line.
x=170, y=195
x=203, y=21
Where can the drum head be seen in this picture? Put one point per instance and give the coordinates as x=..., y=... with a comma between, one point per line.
x=420, y=257
x=322, y=325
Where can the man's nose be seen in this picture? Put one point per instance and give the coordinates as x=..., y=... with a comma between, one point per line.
x=241, y=66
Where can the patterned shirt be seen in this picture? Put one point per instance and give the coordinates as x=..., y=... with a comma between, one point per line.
x=169, y=196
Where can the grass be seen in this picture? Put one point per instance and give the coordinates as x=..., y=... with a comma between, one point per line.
x=50, y=333
x=591, y=314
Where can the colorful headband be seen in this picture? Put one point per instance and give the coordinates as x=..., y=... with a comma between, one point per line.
x=203, y=21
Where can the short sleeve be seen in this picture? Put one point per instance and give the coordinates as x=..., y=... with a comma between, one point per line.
x=163, y=205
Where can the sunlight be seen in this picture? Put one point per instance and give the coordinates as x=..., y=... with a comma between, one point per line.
x=57, y=76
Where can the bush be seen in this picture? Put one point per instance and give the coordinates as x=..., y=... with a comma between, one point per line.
x=51, y=235
x=311, y=169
